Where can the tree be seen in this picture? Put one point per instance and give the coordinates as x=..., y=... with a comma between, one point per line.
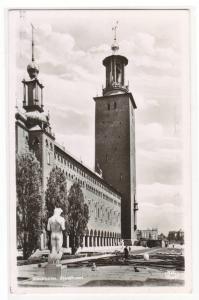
x=29, y=202
x=78, y=215
x=162, y=236
x=56, y=195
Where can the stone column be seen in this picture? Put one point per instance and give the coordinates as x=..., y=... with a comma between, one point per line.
x=67, y=241
x=83, y=242
x=88, y=241
x=115, y=76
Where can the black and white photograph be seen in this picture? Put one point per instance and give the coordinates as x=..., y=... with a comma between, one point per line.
x=100, y=151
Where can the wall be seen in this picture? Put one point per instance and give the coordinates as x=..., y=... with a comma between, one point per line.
x=114, y=153
x=104, y=204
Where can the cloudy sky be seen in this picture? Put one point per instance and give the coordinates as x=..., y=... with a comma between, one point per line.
x=70, y=47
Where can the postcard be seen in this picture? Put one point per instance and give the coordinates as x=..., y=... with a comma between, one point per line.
x=99, y=148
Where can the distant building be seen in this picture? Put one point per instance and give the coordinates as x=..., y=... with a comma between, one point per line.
x=176, y=236
x=150, y=238
x=147, y=234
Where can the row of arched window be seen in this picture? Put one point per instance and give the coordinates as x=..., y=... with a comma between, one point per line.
x=85, y=175
x=105, y=214
x=91, y=189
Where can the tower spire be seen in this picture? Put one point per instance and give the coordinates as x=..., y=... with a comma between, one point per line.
x=33, y=68
x=33, y=43
x=115, y=46
x=114, y=28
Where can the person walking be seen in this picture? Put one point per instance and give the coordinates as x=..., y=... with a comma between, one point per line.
x=126, y=252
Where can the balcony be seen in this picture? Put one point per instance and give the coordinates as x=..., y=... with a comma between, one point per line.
x=115, y=86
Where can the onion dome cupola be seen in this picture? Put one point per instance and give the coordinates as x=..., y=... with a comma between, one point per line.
x=33, y=88
x=115, y=69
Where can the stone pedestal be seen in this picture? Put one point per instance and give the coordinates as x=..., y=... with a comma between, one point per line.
x=55, y=271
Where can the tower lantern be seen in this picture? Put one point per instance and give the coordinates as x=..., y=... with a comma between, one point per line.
x=33, y=88
x=115, y=69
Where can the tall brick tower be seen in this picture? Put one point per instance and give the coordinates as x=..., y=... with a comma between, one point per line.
x=115, y=138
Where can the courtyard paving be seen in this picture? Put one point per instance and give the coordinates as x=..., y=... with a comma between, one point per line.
x=80, y=272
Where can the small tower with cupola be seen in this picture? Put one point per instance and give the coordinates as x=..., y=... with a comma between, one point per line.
x=33, y=88
x=34, y=122
x=115, y=137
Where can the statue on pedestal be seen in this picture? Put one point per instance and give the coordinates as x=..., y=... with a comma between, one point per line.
x=56, y=224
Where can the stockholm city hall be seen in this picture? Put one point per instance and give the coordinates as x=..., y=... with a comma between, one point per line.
x=110, y=189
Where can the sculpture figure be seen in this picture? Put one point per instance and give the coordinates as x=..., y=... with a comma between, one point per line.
x=56, y=224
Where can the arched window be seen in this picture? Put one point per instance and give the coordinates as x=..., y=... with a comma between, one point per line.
x=48, y=158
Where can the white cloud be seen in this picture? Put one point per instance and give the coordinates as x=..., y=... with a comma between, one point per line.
x=159, y=194
x=149, y=131
x=100, y=49
x=74, y=142
x=162, y=206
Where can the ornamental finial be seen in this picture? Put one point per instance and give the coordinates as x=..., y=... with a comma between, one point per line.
x=33, y=43
x=33, y=68
x=115, y=46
